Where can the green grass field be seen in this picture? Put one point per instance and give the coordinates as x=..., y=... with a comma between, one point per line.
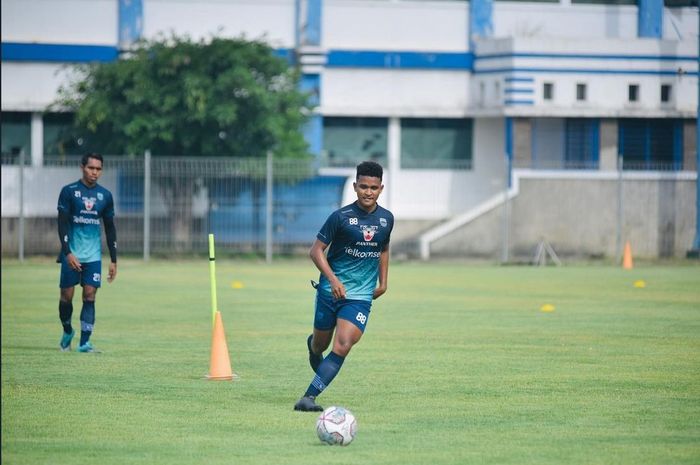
x=458, y=366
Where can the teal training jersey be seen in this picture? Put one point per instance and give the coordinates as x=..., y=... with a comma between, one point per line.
x=356, y=239
x=86, y=206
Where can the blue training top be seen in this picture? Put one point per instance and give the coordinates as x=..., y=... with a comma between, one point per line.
x=86, y=205
x=356, y=240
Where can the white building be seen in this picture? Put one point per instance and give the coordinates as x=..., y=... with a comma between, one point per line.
x=431, y=89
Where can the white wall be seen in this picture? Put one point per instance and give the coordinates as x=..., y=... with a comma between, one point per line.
x=89, y=22
x=376, y=92
x=386, y=25
x=273, y=19
x=607, y=91
x=30, y=86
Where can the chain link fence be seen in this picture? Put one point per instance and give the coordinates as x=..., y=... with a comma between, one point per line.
x=168, y=205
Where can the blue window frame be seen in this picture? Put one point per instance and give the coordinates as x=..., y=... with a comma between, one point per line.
x=581, y=143
x=651, y=143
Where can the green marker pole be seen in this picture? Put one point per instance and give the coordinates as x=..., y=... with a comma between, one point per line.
x=212, y=279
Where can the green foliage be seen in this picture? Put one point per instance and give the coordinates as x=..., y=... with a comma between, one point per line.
x=458, y=366
x=178, y=97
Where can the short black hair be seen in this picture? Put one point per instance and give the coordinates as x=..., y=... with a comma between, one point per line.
x=87, y=156
x=369, y=168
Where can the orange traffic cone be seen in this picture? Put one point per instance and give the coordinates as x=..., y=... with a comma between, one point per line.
x=220, y=366
x=627, y=257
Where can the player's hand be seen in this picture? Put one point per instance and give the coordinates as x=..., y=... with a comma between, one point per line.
x=73, y=262
x=378, y=292
x=112, y=272
x=337, y=289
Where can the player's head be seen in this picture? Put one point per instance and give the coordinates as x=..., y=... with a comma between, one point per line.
x=369, y=168
x=91, y=164
x=86, y=158
x=368, y=184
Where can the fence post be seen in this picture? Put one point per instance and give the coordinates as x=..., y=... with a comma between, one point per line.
x=146, y=205
x=268, y=209
x=620, y=211
x=506, y=213
x=20, y=229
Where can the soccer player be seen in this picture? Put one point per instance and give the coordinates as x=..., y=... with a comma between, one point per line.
x=81, y=206
x=354, y=271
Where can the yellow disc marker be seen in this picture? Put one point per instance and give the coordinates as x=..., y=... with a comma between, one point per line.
x=237, y=285
x=640, y=283
x=547, y=308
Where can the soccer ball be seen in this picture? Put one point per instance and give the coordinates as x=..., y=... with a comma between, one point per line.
x=336, y=426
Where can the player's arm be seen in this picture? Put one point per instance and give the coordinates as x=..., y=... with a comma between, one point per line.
x=63, y=234
x=111, y=234
x=318, y=256
x=383, y=274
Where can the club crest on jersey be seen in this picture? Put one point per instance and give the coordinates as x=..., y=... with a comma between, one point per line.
x=100, y=196
x=383, y=222
x=89, y=202
x=368, y=232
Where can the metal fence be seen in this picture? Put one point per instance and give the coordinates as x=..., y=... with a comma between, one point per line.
x=265, y=207
x=169, y=205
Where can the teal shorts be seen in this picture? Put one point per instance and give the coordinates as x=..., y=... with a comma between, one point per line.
x=328, y=310
x=91, y=274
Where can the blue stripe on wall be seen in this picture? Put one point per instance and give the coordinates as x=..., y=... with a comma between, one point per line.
x=650, y=18
x=510, y=90
x=286, y=54
x=313, y=130
x=580, y=56
x=585, y=71
x=312, y=31
x=520, y=79
x=12, y=51
x=130, y=21
x=407, y=60
x=519, y=102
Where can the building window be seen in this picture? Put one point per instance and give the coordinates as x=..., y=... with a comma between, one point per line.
x=436, y=143
x=548, y=91
x=633, y=92
x=666, y=93
x=60, y=136
x=348, y=141
x=582, y=143
x=680, y=3
x=580, y=92
x=651, y=143
x=607, y=2
x=16, y=136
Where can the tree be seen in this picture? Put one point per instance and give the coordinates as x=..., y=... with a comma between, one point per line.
x=177, y=97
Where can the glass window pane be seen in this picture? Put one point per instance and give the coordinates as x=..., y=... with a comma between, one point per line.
x=16, y=136
x=661, y=142
x=633, y=92
x=436, y=143
x=680, y=3
x=651, y=144
x=348, y=140
x=607, y=2
x=665, y=92
x=581, y=143
x=60, y=137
